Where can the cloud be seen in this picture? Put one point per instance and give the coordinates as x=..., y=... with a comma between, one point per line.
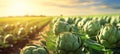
x=66, y=7
x=67, y=3
x=79, y=6
x=113, y=4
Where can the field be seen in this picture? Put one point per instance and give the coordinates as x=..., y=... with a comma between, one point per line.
x=84, y=35
x=59, y=26
x=23, y=29
x=98, y=34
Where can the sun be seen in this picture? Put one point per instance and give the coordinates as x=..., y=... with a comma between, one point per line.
x=18, y=9
x=19, y=6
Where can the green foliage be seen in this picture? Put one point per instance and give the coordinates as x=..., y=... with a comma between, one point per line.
x=106, y=37
x=50, y=40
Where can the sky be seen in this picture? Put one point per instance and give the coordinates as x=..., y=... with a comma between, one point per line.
x=58, y=7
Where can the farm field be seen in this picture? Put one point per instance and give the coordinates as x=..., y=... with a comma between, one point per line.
x=16, y=32
x=83, y=35
x=86, y=34
x=59, y=26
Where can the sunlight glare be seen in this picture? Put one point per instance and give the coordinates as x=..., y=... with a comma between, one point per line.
x=18, y=9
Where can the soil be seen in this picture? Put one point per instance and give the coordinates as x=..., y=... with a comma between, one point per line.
x=34, y=40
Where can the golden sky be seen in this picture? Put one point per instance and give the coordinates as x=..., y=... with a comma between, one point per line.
x=57, y=7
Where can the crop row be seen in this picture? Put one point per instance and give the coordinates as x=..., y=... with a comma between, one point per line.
x=12, y=34
x=78, y=35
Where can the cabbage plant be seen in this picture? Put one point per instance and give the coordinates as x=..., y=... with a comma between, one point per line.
x=34, y=49
x=68, y=43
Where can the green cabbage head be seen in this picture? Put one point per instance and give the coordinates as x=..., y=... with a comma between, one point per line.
x=115, y=20
x=8, y=27
x=77, y=21
x=21, y=31
x=34, y=49
x=60, y=27
x=82, y=23
x=108, y=36
x=67, y=42
x=57, y=19
x=92, y=27
x=102, y=21
x=108, y=19
x=9, y=39
x=70, y=20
